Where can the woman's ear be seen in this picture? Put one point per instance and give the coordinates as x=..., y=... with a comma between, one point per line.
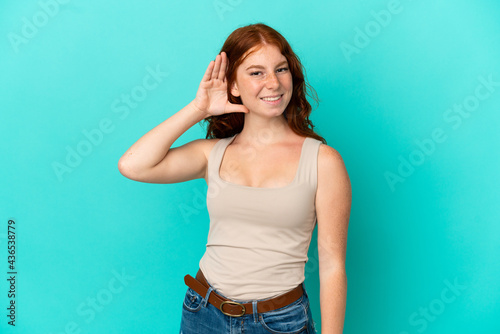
x=234, y=90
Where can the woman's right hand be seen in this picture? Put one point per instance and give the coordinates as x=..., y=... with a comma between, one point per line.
x=211, y=98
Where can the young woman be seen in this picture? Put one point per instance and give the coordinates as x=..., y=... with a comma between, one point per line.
x=270, y=179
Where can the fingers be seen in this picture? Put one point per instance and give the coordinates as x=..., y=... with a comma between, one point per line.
x=222, y=72
x=208, y=72
x=215, y=71
x=232, y=107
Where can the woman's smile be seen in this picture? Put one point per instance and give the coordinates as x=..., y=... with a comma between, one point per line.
x=273, y=100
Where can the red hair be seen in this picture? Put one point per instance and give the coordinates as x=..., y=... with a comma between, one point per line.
x=236, y=47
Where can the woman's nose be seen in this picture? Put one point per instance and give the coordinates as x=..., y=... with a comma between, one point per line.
x=272, y=81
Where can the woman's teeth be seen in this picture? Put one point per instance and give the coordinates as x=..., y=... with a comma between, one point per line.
x=271, y=98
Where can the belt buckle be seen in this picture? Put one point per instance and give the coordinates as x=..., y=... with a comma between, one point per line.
x=233, y=303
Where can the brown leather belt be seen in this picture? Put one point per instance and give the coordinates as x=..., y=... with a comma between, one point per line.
x=235, y=309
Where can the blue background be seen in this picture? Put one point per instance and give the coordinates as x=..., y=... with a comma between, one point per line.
x=65, y=67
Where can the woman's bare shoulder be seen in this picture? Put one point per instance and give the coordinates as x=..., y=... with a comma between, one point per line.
x=329, y=159
x=207, y=144
x=328, y=152
x=330, y=163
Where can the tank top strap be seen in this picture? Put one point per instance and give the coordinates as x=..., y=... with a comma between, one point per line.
x=308, y=165
x=215, y=157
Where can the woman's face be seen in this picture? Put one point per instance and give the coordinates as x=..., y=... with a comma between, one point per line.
x=265, y=73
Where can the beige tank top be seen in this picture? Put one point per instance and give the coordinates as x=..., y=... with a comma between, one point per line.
x=259, y=237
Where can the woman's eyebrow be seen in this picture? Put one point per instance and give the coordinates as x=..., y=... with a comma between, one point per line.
x=260, y=66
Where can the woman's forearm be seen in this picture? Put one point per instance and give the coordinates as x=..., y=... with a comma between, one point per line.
x=151, y=148
x=333, y=295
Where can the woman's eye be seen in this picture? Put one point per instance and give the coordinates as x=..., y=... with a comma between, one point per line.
x=283, y=69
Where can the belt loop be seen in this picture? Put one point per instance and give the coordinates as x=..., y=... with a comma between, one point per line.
x=254, y=308
x=204, y=303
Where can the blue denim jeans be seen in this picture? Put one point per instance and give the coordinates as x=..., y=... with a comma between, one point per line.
x=199, y=317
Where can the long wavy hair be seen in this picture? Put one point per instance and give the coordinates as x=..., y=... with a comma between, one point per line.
x=298, y=110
